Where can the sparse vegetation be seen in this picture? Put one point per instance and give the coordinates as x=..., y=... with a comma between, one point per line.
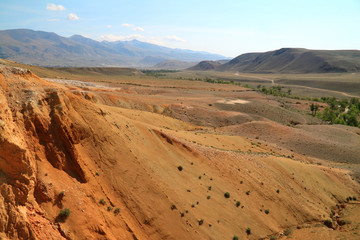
x=247, y=192
x=248, y=231
x=237, y=204
x=201, y=221
x=173, y=207
x=102, y=201
x=235, y=238
x=117, y=211
x=109, y=208
x=287, y=232
x=180, y=168
x=227, y=195
x=208, y=197
x=64, y=213
x=328, y=223
x=267, y=211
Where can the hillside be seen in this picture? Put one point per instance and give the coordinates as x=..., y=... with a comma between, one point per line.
x=49, y=49
x=173, y=64
x=290, y=60
x=153, y=160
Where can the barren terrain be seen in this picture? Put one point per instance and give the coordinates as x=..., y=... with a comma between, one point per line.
x=165, y=152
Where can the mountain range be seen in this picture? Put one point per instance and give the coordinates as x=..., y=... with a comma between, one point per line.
x=289, y=60
x=49, y=49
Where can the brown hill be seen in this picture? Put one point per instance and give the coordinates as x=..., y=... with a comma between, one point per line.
x=290, y=60
x=117, y=169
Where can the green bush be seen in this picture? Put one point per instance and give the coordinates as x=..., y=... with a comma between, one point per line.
x=180, y=168
x=109, y=208
x=102, y=201
x=248, y=231
x=237, y=204
x=328, y=223
x=287, y=232
x=235, y=238
x=117, y=211
x=227, y=195
x=64, y=213
x=201, y=221
x=267, y=211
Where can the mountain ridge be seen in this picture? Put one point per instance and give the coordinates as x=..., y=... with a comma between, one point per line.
x=49, y=49
x=289, y=60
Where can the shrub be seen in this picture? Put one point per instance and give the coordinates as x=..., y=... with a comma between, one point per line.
x=287, y=232
x=328, y=223
x=248, y=231
x=227, y=195
x=201, y=221
x=247, y=192
x=62, y=194
x=102, y=201
x=109, y=208
x=342, y=222
x=117, y=211
x=173, y=207
x=237, y=204
x=180, y=168
x=208, y=197
x=64, y=213
x=278, y=191
x=209, y=188
x=272, y=237
x=235, y=238
x=267, y=211
x=354, y=198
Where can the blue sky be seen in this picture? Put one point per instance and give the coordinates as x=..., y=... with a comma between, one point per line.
x=226, y=27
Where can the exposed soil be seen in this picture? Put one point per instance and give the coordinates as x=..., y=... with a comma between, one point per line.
x=154, y=161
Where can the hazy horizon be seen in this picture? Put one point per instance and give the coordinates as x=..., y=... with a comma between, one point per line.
x=228, y=28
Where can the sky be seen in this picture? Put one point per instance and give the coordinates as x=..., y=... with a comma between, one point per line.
x=227, y=27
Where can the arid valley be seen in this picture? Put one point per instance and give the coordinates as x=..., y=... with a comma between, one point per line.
x=142, y=156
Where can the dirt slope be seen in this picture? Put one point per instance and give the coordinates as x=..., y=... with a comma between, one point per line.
x=64, y=147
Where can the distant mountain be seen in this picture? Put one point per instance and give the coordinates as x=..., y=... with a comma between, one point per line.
x=289, y=60
x=173, y=64
x=49, y=49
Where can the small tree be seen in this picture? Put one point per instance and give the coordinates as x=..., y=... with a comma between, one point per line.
x=314, y=108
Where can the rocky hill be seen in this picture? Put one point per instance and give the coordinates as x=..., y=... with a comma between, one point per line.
x=89, y=161
x=290, y=60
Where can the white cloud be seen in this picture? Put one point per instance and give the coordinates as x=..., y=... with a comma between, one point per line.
x=113, y=38
x=73, y=17
x=138, y=29
x=109, y=26
x=142, y=38
x=53, y=7
x=174, y=39
x=127, y=25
